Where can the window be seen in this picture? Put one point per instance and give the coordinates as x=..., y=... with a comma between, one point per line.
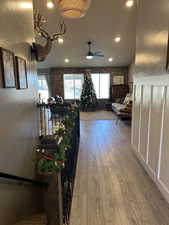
x=101, y=82
x=43, y=88
x=73, y=86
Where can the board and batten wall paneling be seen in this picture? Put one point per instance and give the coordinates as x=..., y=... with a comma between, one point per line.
x=144, y=125
x=155, y=127
x=150, y=129
x=164, y=154
x=136, y=116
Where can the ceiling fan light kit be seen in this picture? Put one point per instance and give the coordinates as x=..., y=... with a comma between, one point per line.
x=89, y=57
x=73, y=9
x=90, y=54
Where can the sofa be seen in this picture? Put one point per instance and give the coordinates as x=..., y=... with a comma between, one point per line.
x=123, y=109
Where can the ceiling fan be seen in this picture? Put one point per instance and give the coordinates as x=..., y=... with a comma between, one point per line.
x=91, y=54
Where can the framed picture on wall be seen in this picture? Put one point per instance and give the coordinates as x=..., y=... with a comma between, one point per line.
x=21, y=73
x=118, y=80
x=7, y=63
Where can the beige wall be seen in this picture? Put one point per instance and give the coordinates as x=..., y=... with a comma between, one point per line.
x=131, y=75
x=151, y=92
x=18, y=115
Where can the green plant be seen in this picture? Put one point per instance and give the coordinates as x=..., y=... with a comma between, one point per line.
x=63, y=138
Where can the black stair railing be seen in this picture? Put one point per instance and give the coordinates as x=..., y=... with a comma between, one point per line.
x=49, y=115
x=21, y=180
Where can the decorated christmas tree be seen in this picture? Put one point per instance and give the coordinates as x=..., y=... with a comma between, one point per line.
x=88, y=100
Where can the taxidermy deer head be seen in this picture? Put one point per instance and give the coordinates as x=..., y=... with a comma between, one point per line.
x=41, y=51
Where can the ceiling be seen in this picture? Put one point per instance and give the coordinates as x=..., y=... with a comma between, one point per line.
x=102, y=23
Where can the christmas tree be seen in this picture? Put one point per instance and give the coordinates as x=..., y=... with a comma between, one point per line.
x=88, y=100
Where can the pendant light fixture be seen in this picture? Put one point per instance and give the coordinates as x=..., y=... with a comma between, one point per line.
x=73, y=9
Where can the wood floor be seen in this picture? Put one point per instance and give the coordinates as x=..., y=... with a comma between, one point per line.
x=111, y=187
x=105, y=115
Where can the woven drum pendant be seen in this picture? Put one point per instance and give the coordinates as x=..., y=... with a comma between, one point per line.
x=73, y=9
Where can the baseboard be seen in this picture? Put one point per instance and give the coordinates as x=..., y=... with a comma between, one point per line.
x=160, y=185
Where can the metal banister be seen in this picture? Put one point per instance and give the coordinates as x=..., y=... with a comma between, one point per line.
x=22, y=179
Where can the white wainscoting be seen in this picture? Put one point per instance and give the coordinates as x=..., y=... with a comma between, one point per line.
x=150, y=128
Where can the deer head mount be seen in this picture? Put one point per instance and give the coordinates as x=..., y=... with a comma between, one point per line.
x=41, y=51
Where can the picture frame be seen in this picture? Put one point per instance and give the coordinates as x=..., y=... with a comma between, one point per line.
x=118, y=80
x=21, y=73
x=7, y=68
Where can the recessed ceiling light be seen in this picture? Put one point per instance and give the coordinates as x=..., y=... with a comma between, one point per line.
x=89, y=57
x=117, y=39
x=26, y=5
x=50, y=5
x=60, y=40
x=110, y=59
x=66, y=60
x=130, y=3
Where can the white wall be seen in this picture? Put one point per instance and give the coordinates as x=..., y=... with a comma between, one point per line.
x=151, y=92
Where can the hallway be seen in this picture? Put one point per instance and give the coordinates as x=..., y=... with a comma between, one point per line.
x=111, y=187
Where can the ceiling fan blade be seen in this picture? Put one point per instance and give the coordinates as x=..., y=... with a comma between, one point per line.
x=99, y=56
x=99, y=53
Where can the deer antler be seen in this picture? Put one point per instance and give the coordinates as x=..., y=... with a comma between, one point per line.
x=39, y=21
x=42, y=51
x=61, y=30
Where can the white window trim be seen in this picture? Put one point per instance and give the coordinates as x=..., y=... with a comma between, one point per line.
x=108, y=86
x=74, y=74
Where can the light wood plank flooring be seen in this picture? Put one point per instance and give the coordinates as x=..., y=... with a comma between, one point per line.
x=104, y=115
x=111, y=187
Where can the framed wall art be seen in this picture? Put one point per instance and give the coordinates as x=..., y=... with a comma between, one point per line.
x=7, y=63
x=118, y=80
x=21, y=73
